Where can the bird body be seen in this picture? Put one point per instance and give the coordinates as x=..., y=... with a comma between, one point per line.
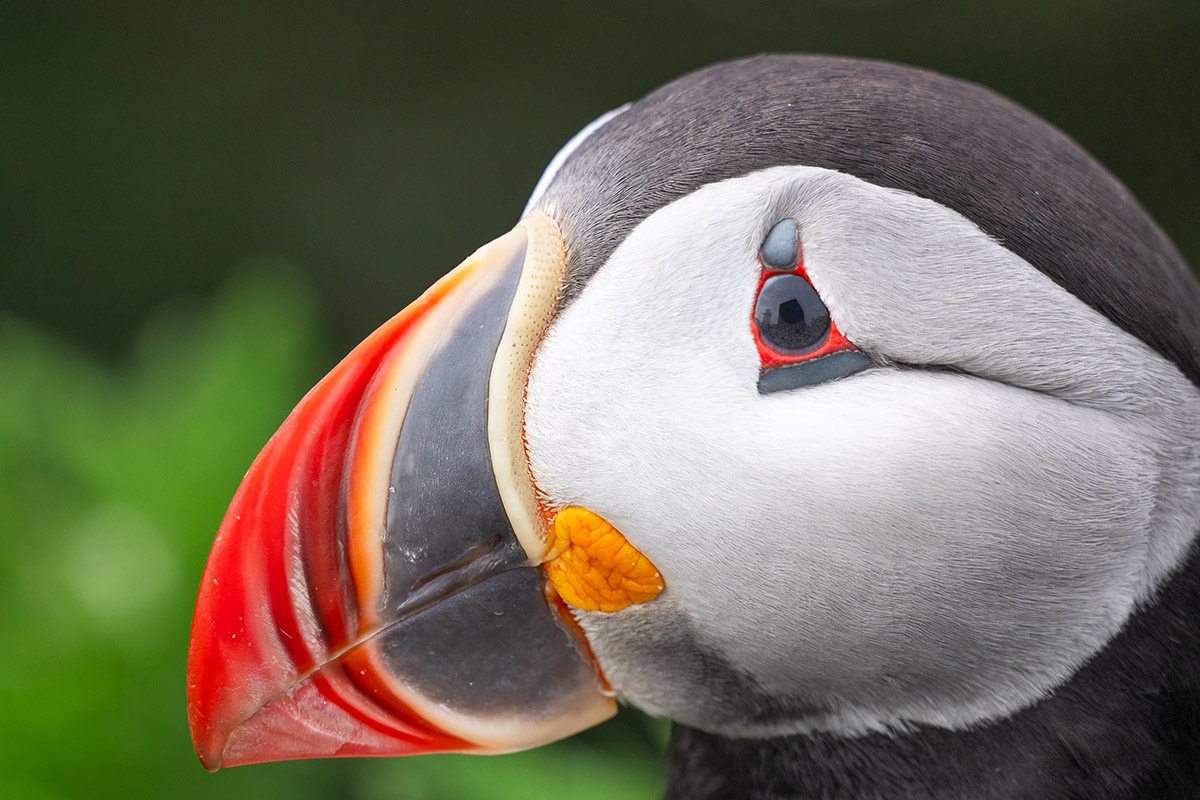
x=1126, y=726
x=877, y=399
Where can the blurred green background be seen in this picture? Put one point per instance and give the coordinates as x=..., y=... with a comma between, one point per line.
x=202, y=206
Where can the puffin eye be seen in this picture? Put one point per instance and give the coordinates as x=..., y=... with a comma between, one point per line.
x=798, y=342
x=790, y=316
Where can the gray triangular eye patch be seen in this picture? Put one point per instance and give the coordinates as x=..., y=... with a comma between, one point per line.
x=779, y=248
x=808, y=373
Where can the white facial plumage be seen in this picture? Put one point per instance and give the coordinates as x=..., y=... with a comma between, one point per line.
x=940, y=539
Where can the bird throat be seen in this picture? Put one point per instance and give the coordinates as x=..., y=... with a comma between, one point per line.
x=1126, y=726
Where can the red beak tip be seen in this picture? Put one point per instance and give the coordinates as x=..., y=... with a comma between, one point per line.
x=208, y=752
x=305, y=723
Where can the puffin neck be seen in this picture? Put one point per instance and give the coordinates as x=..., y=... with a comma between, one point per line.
x=1125, y=726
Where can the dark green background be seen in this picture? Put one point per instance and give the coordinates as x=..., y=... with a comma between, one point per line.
x=202, y=206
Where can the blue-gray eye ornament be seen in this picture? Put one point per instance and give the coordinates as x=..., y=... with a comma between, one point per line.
x=799, y=343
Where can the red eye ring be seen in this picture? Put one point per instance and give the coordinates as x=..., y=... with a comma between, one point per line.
x=774, y=356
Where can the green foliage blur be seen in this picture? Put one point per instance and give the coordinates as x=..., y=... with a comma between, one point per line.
x=113, y=478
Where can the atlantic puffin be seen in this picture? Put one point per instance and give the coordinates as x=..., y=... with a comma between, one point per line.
x=841, y=412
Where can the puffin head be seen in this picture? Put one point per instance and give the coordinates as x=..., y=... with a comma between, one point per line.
x=809, y=395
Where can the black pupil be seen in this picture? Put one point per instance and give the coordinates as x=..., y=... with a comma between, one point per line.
x=790, y=316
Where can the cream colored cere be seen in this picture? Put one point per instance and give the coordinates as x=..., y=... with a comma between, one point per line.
x=529, y=316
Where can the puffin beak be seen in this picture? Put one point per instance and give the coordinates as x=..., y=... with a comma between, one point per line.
x=375, y=587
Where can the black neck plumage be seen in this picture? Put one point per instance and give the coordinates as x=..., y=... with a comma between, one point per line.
x=1126, y=726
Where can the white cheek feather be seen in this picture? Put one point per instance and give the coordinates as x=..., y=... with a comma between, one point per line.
x=903, y=545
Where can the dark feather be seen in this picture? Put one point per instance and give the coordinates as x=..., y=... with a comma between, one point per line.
x=1019, y=178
